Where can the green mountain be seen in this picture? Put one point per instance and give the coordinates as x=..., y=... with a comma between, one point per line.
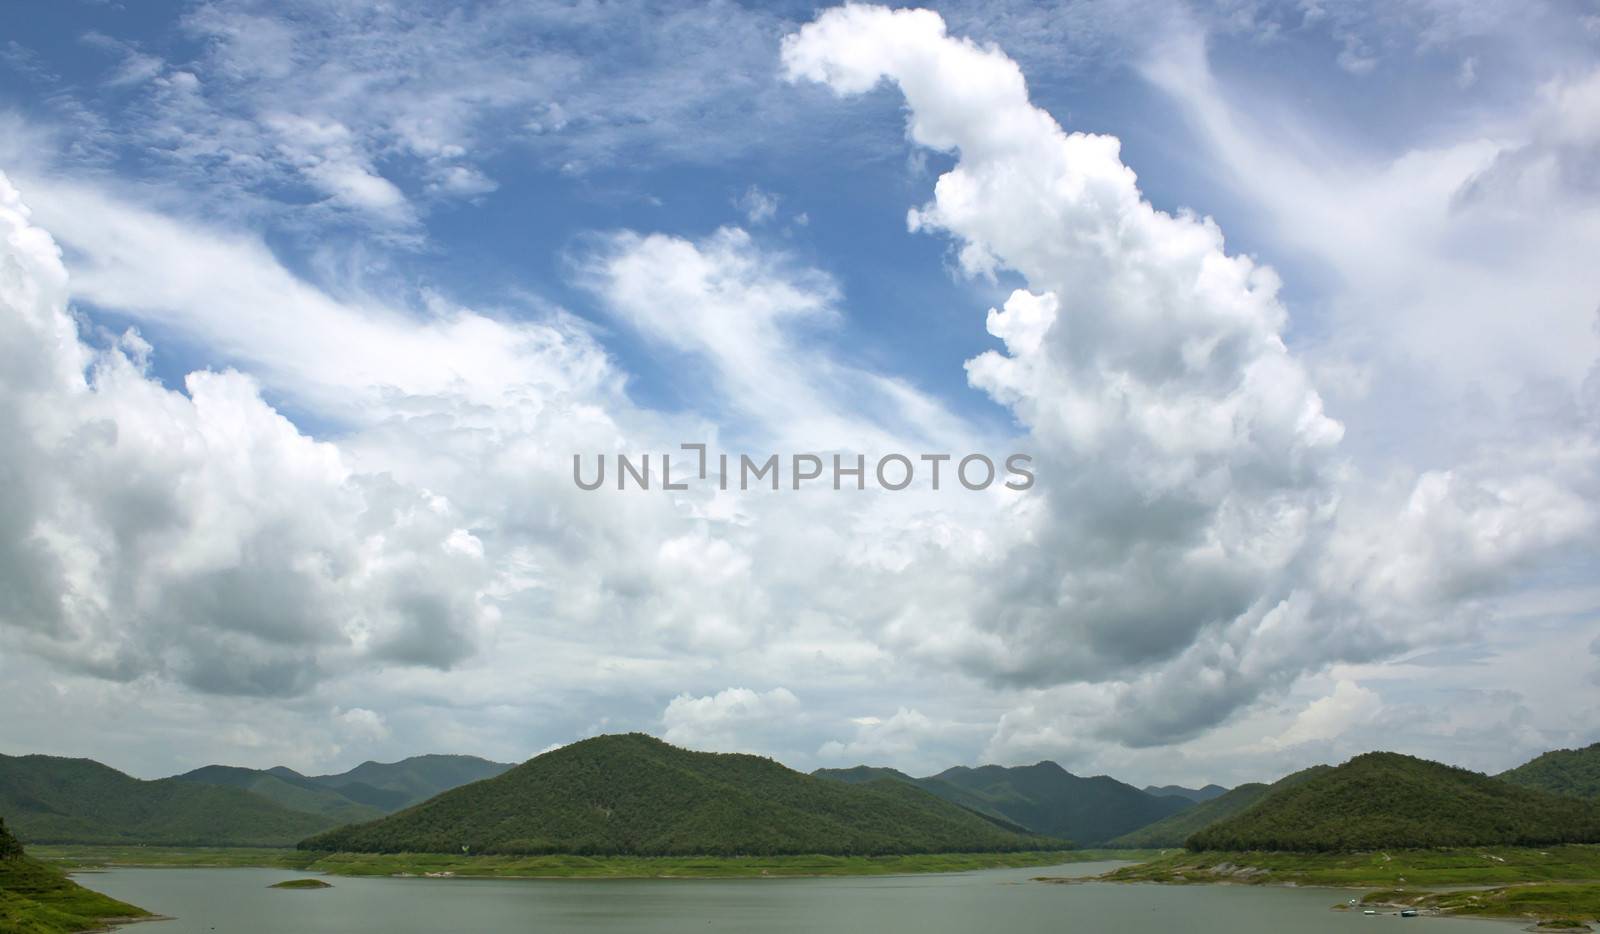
x=390, y=786
x=291, y=790
x=863, y=774
x=1574, y=772
x=634, y=794
x=1197, y=795
x=1048, y=799
x=1174, y=830
x=54, y=800
x=39, y=899
x=1383, y=799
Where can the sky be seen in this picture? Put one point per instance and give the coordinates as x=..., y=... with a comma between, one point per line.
x=307, y=307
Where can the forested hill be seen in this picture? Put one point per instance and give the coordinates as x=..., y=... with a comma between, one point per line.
x=366, y=792
x=636, y=795
x=40, y=899
x=1197, y=795
x=1574, y=772
x=394, y=785
x=46, y=799
x=1048, y=799
x=1174, y=830
x=1383, y=799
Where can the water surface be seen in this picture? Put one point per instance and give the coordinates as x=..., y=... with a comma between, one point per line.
x=238, y=901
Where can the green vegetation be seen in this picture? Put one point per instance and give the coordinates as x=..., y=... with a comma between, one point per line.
x=1383, y=799
x=295, y=792
x=635, y=795
x=301, y=884
x=366, y=792
x=1574, y=772
x=1174, y=830
x=1472, y=866
x=1042, y=798
x=1554, y=905
x=1197, y=795
x=864, y=774
x=390, y=786
x=53, y=800
x=561, y=866
x=38, y=899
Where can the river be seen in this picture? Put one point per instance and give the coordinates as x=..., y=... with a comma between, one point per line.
x=238, y=901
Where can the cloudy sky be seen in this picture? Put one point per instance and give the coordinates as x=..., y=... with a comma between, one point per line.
x=306, y=307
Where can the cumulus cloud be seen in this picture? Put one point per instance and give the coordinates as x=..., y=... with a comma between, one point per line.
x=726, y=720
x=1197, y=543
x=199, y=535
x=1194, y=479
x=1332, y=716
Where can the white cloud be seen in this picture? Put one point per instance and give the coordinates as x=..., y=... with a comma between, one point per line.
x=200, y=535
x=1349, y=706
x=759, y=207
x=727, y=720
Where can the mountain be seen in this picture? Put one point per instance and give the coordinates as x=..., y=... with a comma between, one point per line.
x=289, y=789
x=1383, y=799
x=53, y=800
x=862, y=774
x=634, y=794
x=1574, y=772
x=390, y=786
x=1048, y=799
x=1197, y=795
x=39, y=899
x=1174, y=830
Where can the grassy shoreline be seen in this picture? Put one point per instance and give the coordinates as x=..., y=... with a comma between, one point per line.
x=88, y=858
x=1544, y=884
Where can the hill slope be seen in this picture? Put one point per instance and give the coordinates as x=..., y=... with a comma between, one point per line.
x=1197, y=795
x=863, y=774
x=1574, y=772
x=391, y=786
x=1383, y=799
x=636, y=795
x=1048, y=799
x=1174, y=830
x=38, y=899
x=54, y=800
x=288, y=789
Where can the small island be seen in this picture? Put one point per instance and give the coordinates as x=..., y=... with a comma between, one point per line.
x=301, y=884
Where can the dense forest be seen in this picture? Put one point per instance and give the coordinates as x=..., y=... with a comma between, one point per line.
x=1384, y=799
x=53, y=800
x=1048, y=799
x=1174, y=830
x=1574, y=772
x=636, y=795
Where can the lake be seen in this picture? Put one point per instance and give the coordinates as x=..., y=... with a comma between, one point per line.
x=238, y=901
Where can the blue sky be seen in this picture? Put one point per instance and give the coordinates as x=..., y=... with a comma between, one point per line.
x=1333, y=375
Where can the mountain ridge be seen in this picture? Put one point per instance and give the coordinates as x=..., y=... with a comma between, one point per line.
x=1386, y=799
x=632, y=794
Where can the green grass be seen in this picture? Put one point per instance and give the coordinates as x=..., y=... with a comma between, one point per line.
x=561, y=866
x=1559, y=883
x=39, y=899
x=1474, y=866
x=1543, y=901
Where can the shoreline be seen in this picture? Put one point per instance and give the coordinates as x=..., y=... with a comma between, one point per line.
x=86, y=859
x=1553, y=888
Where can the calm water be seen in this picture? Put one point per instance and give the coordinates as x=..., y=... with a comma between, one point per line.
x=237, y=901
